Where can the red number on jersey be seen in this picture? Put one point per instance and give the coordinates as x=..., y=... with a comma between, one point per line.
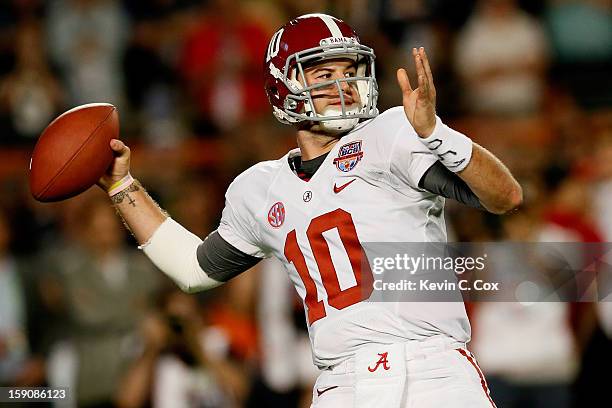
x=336, y=297
x=316, y=310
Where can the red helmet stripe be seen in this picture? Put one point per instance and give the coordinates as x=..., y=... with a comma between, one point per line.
x=329, y=22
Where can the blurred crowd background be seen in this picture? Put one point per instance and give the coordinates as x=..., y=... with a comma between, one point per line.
x=81, y=307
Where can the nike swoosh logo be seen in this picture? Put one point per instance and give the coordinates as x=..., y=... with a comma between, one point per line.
x=320, y=392
x=342, y=187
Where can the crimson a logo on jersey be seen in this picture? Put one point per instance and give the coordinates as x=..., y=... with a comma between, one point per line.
x=276, y=215
x=349, y=155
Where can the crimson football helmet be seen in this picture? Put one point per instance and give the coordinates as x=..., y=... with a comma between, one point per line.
x=307, y=40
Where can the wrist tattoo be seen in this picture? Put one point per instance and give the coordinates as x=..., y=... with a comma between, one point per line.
x=119, y=197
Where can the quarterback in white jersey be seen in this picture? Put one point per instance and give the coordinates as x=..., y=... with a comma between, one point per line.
x=356, y=177
x=315, y=228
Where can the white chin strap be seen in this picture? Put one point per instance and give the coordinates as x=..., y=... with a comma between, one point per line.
x=338, y=125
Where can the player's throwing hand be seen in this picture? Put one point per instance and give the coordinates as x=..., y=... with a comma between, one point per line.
x=120, y=167
x=419, y=103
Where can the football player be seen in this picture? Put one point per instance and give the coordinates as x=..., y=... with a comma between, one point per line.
x=357, y=176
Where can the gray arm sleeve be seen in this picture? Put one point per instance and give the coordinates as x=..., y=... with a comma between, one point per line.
x=221, y=260
x=441, y=181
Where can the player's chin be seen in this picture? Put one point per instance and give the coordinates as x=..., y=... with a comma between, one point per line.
x=318, y=128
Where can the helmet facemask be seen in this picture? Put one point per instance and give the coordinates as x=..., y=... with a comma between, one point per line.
x=299, y=104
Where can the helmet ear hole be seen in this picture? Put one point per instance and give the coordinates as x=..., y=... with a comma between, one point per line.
x=274, y=92
x=290, y=104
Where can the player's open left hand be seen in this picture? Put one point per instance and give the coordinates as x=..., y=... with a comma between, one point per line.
x=419, y=103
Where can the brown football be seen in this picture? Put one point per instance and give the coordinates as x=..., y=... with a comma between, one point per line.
x=73, y=152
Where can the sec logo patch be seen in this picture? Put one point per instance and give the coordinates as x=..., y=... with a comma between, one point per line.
x=276, y=215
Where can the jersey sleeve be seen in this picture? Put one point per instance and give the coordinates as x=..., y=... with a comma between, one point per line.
x=237, y=226
x=409, y=159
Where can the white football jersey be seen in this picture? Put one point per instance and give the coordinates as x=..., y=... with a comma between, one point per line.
x=366, y=190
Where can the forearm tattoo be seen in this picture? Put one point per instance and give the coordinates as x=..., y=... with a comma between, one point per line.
x=119, y=197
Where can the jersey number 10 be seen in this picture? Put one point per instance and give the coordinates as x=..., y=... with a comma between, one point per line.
x=336, y=297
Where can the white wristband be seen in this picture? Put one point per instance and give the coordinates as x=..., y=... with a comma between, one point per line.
x=453, y=149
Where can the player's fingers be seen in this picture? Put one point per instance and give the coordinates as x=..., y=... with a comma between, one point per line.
x=431, y=89
x=119, y=147
x=403, y=81
x=426, y=66
x=418, y=62
x=423, y=88
x=423, y=83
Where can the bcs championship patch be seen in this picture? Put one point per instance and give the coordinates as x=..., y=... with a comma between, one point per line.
x=349, y=155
